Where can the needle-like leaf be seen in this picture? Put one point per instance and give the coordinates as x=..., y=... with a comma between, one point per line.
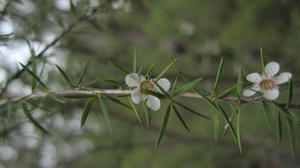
x=64, y=75
x=83, y=72
x=119, y=67
x=34, y=76
x=220, y=69
x=106, y=115
x=118, y=102
x=267, y=111
x=191, y=110
x=291, y=131
x=32, y=120
x=134, y=109
x=178, y=115
x=238, y=129
x=134, y=60
x=186, y=87
x=86, y=110
x=163, y=125
x=279, y=127
x=147, y=113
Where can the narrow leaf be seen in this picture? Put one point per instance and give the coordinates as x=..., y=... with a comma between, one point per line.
x=165, y=70
x=291, y=131
x=228, y=91
x=65, y=76
x=238, y=130
x=32, y=120
x=118, y=102
x=163, y=125
x=267, y=111
x=220, y=69
x=34, y=75
x=262, y=59
x=83, y=72
x=149, y=72
x=86, y=111
x=156, y=94
x=186, y=87
x=137, y=114
x=106, y=115
x=290, y=94
x=57, y=99
x=178, y=115
x=279, y=127
x=147, y=114
x=134, y=60
x=191, y=110
x=119, y=67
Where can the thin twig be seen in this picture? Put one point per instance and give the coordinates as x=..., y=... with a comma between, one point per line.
x=70, y=93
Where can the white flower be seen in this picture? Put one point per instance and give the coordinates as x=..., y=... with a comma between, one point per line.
x=141, y=85
x=268, y=82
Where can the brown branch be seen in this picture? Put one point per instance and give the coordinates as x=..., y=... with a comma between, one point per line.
x=87, y=93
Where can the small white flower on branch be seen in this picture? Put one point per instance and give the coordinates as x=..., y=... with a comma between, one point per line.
x=141, y=85
x=267, y=83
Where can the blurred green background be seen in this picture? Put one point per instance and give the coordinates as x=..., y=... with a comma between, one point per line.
x=198, y=32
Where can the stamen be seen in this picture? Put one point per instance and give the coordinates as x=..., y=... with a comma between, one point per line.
x=267, y=84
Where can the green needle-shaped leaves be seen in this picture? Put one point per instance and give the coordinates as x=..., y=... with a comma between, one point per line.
x=86, y=111
x=267, y=111
x=32, y=120
x=119, y=67
x=238, y=129
x=262, y=59
x=118, y=102
x=178, y=115
x=134, y=109
x=106, y=115
x=279, y=127
x=186, y=87
x=218, y=76
x=64, y=75
x=83, y=72
x=163, y=125
x=291, y=131
x=147, y=113
x=290, y=97
x=34, y=76
x=134, y=60
x=165, y=70
x=191, y=110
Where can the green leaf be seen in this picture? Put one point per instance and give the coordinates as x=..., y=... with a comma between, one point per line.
x=186, y=87
x=228, y=91
x=218, y=76
x=163, y=125
x=279, y=128
x=262, y=59
x=32, y=120
x=175, y=84
x=165, y=70
x=267, y=111
x=149, y=72
x=156, y=94
x=190, y=110
x=118, y=102
x=137, y=114
x=119, y=67
x=232, y=117
x=292, y=138
x=106, y=115
x=178, y=115
x=290, y=97
x=118, y=84
x=285, y=111
x=56, y=98
x=86, y=111
x=239, y=88
x=83, y=72
x=238, y=130
x=147, y=113
x=65, y=76
x=73, y=7
x=134, y=60
x=34, y=76
x=228, y=122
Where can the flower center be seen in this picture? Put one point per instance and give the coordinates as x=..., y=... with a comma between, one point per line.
x=267, y=84
x=146, y=85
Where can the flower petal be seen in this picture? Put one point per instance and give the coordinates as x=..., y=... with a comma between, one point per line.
x=248, y=92
x=283, y=78
x=132, y=80
x=153, y=103
x=164, y=83
x=254, y=78
x=136, y=96
x=271, y=94
x=272, y=69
